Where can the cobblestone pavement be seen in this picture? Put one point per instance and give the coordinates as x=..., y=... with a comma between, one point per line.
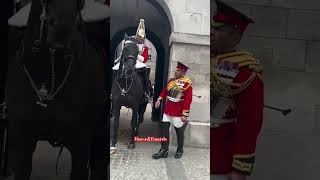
x=137, y=164
x=129, y=164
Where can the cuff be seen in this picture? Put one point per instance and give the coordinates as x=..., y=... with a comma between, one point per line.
x=243, y=163
x=159, y=98
x=185, y=113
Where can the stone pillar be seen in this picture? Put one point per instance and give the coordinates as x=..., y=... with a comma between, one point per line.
x=194, y=51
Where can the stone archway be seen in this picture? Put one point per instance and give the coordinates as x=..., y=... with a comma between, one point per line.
x=158, y=22
x=183, y=29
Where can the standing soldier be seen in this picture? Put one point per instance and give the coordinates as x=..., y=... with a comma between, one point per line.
x=179, y=94
x=236, y=97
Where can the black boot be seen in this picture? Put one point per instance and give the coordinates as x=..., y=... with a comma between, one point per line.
x=180, y=139
x=164, y=132
x=145, y=85
x=178, y=153
x=163, y=153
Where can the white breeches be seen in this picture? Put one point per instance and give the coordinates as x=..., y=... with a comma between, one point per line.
x=176, y=121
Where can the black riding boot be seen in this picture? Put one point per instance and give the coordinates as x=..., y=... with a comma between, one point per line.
x=180, y=138
x=164, y=132
x=145, y=85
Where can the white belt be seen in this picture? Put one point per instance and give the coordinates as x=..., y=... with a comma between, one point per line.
x=215, y=122
x=174, y=99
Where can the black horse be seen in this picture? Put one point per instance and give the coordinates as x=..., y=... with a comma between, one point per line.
x=55, y=91
x=127, y=90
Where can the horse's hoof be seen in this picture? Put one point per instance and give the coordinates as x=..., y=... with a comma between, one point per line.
x=131, y=146
x=113, y=150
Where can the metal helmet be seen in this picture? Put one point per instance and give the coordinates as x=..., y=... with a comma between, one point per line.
x=141, y=32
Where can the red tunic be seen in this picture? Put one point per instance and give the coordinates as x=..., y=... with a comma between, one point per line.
x=107, y=2
x=233, y=144
x=181, y=108
x=145, y=54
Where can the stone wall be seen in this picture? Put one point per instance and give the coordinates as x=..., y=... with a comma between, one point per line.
x=194, y=51
x=190, y=44
x=190, y=16
x=286, y=40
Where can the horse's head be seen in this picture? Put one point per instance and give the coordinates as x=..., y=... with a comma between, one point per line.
x=129, y=55
x=55, y=20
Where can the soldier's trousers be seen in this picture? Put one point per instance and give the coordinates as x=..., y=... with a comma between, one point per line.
x=164, y=132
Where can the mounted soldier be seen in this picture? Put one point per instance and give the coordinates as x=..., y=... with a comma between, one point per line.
x=141, y=60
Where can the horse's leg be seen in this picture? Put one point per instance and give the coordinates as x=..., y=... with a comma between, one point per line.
x=99, y=148
x=142, y=110
x=80, y=151
x=99, y=158
x=134, y=128
x=115, y=117
x=21, y=148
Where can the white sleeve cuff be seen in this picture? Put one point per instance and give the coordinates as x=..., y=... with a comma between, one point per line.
x=140, y=58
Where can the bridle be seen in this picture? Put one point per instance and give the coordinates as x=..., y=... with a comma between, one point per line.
x=123, y=73
x=44, y=96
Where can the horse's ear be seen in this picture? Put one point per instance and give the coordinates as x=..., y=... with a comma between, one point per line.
x=125, y=36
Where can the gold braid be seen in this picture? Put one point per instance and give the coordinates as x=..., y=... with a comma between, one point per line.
x=222, y=88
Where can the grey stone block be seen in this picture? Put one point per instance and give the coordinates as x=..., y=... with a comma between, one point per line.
x=194, y=68
x=179, y=53
x=177, y=6
x=286, y=156
x=204, y=68
x=254, y=2
x=304, y=25
x=277, y=53
x=202, y=90
x=196, y=135
x=271, y=22
x=184, y=38
x=190, y=53
x=197, y=78
x=205, y=26
x=198, y=68
x=188, y=23
x=202, y=55
x=199, y=135
x=243, y=8
x=200, y=112
x=298, y=91
x=316, y=127
x=313, y=61
x=202, y=6
x=297, y=4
